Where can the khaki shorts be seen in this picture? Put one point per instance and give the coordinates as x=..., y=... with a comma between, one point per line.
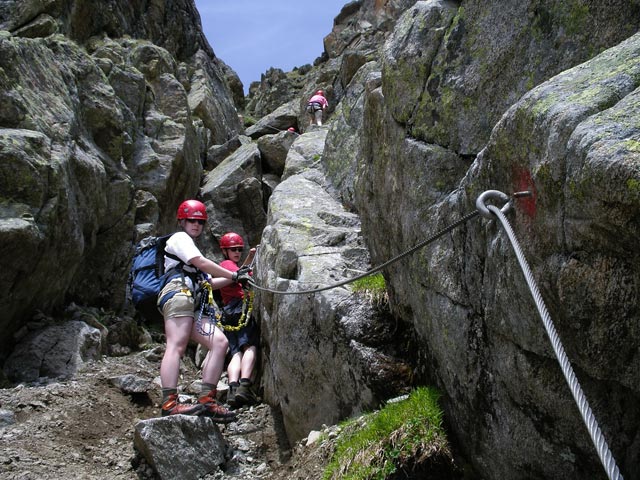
x=181, y=304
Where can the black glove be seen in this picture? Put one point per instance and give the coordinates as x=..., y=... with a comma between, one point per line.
x=242, y=275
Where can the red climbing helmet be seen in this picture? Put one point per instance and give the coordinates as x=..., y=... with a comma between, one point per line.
x=231, y=239
x=192, y=209
x=320, y=92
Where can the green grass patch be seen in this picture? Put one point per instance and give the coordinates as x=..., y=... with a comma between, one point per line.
x=373, y=282
x=248, y=121
x=372, y=286
x=402, y=434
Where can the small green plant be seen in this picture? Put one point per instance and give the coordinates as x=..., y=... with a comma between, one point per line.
x=633, y=186
x=248, y=121
x=374, y=287
x=402, y=434
x=371, y=282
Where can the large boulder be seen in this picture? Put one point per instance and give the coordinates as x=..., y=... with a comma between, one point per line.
x=452, y=89
x=274, y=149
x=324, y=355
x=180, y=446
x=283, y=117
x=578, y=229
x=66, y=213
x=104, y=110
x=427, y=154
x=55, y=352
x=236, y=198
x=343, y=147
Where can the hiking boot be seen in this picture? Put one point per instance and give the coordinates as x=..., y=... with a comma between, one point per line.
x=172, y=406
x=231, y=394
x=214, y=410
x=245, y=394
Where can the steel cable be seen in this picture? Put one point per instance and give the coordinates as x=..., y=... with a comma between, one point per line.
x=397, y=258
x=606, y=457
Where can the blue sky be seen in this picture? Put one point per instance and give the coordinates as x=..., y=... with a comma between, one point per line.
x=253, y=35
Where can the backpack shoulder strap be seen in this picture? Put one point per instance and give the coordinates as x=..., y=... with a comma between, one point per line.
x=161, y=243
x=161, y=253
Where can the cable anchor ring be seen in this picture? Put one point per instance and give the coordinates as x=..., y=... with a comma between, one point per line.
x=492, y=194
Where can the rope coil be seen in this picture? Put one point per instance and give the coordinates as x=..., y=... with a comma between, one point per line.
x=215, y=316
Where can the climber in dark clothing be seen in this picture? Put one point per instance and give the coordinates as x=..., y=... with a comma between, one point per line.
x=242, y=333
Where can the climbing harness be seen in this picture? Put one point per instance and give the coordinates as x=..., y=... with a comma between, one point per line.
x=214, y=316
x=313, y=107
x=490, y=212
x=247, y=309
x=206, y=303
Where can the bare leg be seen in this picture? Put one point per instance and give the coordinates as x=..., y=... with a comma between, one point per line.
x=177, y=331
x=248, y=362
x=216, y=341
x=234, y=368
x=214, y=361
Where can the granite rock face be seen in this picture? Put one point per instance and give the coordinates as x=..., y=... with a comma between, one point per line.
x=328, y=354
x=446, y=125
x=106, y=123
x=105, y=108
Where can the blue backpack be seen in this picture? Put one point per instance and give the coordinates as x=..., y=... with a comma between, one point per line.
x=147, y=276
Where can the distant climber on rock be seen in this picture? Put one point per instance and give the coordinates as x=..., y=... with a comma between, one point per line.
x=316, y=106
x=239, y=325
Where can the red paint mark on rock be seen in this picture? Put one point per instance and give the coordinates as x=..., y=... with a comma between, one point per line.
x=523, y=181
